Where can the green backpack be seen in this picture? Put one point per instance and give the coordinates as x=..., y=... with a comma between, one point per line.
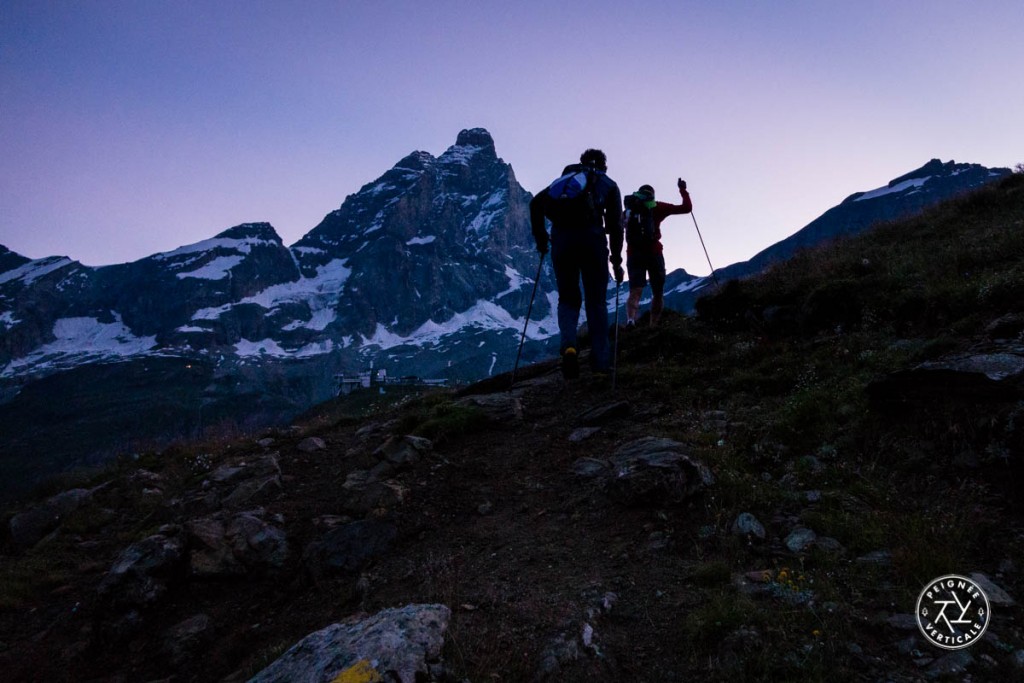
x=639, y=217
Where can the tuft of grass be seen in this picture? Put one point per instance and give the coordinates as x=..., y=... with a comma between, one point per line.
x=448, y=420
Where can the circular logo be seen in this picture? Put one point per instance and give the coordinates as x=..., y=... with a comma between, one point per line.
x=953, y=612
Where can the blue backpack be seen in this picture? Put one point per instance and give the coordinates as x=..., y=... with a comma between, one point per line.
x=572, y=199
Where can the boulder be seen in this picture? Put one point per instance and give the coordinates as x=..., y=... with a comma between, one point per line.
x=402, y=451
x=234, y=545
x=253, y=492
x=141, y=573
x=800, y=539
x=31, y=526
x=748, y=525
x=653, y=471
x=996, y=376
x=503, y=406
x=402, y=644
x=182, y=641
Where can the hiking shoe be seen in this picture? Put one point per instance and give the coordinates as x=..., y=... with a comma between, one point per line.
x=570, y=364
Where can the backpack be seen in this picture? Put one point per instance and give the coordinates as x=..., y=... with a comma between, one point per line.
x=572, y=199
x=639, y=219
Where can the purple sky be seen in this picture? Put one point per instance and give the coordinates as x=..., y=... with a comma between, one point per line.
x=128, y=128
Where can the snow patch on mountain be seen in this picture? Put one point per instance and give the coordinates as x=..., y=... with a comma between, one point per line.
x=320, y=292
x=483, y=316
x=33, y=270
x=240, y=245
x=80, y=339
x=217, y=269
x=515, y=281
x=421, y=240
x=460, y=154
x=898, y=187
x=269, y=347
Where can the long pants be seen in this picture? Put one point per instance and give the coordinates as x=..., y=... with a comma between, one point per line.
x=582, y=257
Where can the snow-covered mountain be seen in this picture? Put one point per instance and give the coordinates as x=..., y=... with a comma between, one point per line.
x=433, y=254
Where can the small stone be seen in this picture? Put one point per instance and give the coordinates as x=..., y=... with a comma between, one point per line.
x=589, y=467
x=485, y=508
x=748, y=525
x=265, y=443
x=813, y=496
x=582, y=434
x=1018, y=659
x=800, y=539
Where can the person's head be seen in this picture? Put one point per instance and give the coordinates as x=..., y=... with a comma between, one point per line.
x=594, y=158
x=647, y=190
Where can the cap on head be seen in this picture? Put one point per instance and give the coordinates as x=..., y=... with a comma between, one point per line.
x=647, y=189
x=594, y=158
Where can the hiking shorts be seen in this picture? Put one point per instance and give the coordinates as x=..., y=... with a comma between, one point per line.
x=639, y=264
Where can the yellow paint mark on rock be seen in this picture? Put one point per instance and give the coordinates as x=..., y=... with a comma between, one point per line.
x=360, y=672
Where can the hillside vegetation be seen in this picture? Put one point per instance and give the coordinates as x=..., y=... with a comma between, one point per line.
x=762, y=496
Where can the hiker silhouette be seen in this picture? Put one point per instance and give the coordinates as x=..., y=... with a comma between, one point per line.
x=584, y=206
x=641, y=223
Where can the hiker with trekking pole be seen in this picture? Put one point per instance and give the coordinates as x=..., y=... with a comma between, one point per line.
x=584, y=206
x=641, y=223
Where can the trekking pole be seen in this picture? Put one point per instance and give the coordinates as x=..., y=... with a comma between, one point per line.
x=615, y=356
x=713, y=276
x=529, y=310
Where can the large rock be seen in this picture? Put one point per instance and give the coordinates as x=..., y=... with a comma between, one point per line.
x=31, y=526
x=648, y=471
x=233, y=545
x=995, y=376
x=402, y=644
x=141, y=574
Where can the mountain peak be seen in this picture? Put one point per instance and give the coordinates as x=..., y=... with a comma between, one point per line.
x=260, y=231
x=468, y=144
x=474, y=137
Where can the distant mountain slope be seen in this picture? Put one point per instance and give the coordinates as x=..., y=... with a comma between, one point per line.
x=901, y=197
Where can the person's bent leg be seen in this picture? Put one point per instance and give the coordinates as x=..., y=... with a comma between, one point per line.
x=595, y=293
x=633, y=303
x=637, y=279
x=567, y=278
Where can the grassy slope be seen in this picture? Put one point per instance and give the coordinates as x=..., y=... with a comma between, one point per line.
x=767, y=386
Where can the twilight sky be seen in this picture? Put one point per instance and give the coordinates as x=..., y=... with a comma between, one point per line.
x=128, y=127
